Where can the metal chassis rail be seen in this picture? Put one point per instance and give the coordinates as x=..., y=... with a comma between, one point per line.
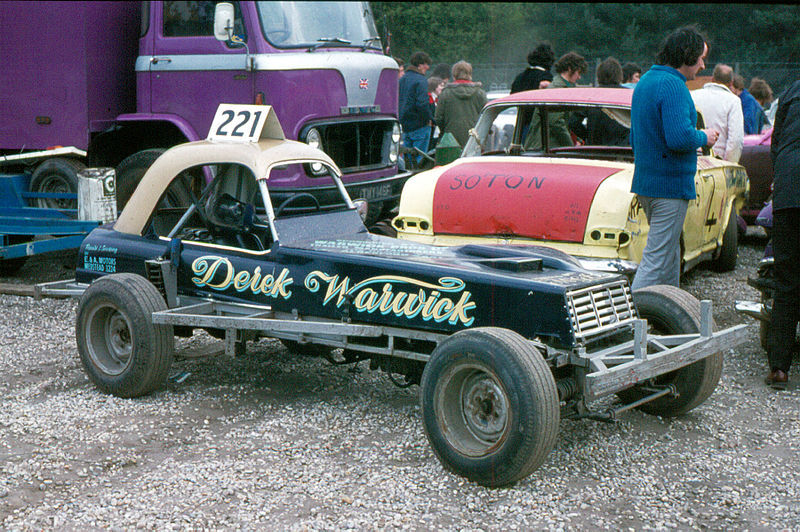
x=599, y=373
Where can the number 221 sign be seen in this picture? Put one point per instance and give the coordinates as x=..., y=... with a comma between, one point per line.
x=243, y=123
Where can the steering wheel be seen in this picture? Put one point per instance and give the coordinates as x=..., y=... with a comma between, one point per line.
x=291, y=199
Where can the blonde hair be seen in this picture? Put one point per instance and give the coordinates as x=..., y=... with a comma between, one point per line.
x=462, y=70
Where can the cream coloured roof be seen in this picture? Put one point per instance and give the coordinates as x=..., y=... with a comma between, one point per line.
x=259, y=157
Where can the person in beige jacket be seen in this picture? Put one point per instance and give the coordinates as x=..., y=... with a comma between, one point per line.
x=722, y=110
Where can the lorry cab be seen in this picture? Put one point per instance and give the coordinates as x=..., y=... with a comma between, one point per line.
x=319, y=65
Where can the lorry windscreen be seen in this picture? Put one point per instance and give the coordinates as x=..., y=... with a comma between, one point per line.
x=300, y=24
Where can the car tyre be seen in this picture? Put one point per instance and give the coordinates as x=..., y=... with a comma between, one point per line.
x=726, y=261
x=123, y=352
x=670, y=310
x=56, y=175
x=490, y=406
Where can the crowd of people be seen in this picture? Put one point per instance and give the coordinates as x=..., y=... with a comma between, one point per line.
x=665, y=138
x=450, y=101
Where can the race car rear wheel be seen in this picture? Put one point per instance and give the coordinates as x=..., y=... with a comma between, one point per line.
x=489, y=406
x=726, y=261
x=670, y=310
x=122, y=351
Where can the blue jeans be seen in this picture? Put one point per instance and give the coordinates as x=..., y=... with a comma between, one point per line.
x=661, y=258
x=419, y=138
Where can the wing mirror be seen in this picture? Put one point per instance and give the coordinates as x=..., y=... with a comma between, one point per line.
x=223, y=21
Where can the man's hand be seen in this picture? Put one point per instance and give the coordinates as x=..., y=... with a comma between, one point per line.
x=712, y=135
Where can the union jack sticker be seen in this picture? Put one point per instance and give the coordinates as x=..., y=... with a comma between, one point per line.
x=363, y=83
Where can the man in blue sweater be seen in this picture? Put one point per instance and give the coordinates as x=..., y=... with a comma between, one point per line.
x=415, y=110
x=665, y=140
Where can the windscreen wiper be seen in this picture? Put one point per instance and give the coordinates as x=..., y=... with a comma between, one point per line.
x=369, y=41
x=329, y=41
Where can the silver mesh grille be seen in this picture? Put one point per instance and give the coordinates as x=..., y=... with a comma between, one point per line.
x=598, y=309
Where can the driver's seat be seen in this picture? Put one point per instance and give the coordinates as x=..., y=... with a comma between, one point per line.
x=232, y=222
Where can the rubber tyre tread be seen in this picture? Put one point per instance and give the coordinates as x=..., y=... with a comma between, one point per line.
x=130, y=171
x=68, y=170
x=726, y=261
x=518, y=457
x=679, y=312
x=153, y=345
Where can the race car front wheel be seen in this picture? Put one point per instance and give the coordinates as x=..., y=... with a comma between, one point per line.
x=122, y=351
x=670, y=310
x=489, y=406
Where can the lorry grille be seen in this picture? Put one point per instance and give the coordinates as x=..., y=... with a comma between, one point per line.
x=599, y=309
x=357, y=146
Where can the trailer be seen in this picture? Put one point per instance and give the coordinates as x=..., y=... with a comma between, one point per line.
x=27, y=229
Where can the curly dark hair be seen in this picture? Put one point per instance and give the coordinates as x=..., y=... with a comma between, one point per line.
x=629, y=69
x=543, y=56
x=609, y=73
x=571, y=61
x=420, y=58
x=683, y=46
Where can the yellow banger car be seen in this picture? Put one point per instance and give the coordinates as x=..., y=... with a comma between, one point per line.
x=554, y=167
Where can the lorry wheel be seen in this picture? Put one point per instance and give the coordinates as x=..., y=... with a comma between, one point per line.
x=670, y=310
x=131, y=170
x=56, y=175
x=9, y=267
x=726, y=261
x=489, y=406
x=122, y=351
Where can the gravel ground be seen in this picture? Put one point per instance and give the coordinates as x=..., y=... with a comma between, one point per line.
x=271, y=441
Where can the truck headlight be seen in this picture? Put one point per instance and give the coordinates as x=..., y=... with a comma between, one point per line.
x=314, y=139
x=394, y=149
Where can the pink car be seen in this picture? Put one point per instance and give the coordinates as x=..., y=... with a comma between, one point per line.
x=758, y=162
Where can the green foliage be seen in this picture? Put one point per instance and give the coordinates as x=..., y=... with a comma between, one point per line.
x=493, y=32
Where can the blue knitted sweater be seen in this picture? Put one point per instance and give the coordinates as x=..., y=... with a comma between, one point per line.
x=664, y=135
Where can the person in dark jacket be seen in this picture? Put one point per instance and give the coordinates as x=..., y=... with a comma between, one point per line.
x=415, y=109
x=754, y=116
x=665, y=141
x=460, y=104
x=785, y=236
x=537, y=75
x=601, y=129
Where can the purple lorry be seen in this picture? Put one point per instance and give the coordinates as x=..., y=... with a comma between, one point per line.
x=117, y=83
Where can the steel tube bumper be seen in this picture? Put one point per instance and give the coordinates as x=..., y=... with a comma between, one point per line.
x=611, y=380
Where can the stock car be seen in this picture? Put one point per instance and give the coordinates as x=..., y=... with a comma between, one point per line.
x=554, y=167
x=502, y=341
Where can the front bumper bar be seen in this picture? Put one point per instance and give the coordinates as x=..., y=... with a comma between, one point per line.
x=647, y=356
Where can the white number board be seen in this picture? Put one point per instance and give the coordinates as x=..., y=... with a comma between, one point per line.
x=238, y=123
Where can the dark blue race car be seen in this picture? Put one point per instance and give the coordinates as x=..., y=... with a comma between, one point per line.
x=503, y=341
